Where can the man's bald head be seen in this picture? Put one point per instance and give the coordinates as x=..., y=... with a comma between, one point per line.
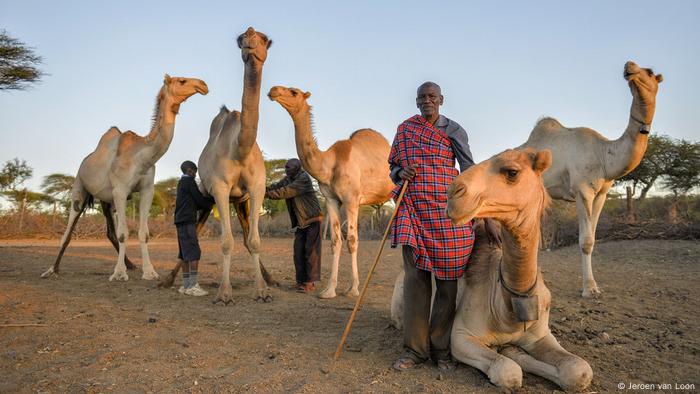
x=431, y=85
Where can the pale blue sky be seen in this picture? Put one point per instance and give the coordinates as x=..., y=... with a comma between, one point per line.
x=501, y=65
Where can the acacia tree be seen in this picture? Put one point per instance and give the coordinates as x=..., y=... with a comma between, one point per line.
x=13, y=175
x=18, y=64
x=58, y=186
x=683, y=174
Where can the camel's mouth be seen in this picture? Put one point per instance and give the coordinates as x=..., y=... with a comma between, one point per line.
x=463, y=217
x=203, y=90
x=273, y=96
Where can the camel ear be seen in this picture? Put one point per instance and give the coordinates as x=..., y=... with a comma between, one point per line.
x=166, y=79
x=542, y=161
x=659, y=78
x=307, y=95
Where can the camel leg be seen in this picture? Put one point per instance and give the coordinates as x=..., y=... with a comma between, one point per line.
x=80, y=201
x=112, y=233
x=501, y=370
x=149, y=273
x=242, y=212
x=225, y=293
x=586, y=240
x=397, y=301
x=336, y=244
x=262, y=292
x=548, y=359
x=122, y=236
x=351, y=211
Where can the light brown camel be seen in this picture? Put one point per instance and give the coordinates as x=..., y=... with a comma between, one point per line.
x=350, y=173
x=231, y=165
x=124, y=163
x=508, y=187
x=585, y=164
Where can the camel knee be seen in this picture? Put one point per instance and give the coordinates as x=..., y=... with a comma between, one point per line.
x=575, y=374
x=122, y=236
x=586, y=243
x=143, y=236
x=352, y=243
x=504, y=372
x=254, y=243
x=227, y=245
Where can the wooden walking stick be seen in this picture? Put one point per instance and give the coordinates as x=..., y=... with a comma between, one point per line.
x=339, y=350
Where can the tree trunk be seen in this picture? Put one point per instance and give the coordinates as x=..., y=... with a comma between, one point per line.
x=22, y=204
x=673, y=211
x=630, y=216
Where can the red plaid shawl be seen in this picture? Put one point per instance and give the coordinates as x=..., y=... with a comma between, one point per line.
x=421, y=221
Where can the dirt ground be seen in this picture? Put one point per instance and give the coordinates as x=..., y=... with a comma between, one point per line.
x=98, y=336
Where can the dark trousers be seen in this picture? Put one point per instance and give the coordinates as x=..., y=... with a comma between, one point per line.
x=307, y=253
x=426, y=334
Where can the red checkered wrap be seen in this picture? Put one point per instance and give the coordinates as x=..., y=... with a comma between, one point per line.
x=421, y=221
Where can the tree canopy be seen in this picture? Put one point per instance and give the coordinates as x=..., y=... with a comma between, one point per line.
x=18, y=64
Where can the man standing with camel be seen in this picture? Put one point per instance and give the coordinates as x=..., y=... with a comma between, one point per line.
x=423, y=152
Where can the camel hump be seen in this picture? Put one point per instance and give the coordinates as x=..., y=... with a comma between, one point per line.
x=367, y=134
x=548, y=123
x=128, y=140
x=111, y=135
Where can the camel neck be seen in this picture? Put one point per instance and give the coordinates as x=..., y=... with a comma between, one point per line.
x=307, y=147
x=252, y=79
x=163, y=129
x=624, y=154
x=519, y=266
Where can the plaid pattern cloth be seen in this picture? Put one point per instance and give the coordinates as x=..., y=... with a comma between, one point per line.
x=421, y=222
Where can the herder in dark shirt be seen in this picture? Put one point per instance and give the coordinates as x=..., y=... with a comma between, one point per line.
x=189, y=200
x=305, y=213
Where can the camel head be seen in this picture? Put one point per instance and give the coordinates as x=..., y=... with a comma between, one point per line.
x=643, y=84
x=254, y=46
x=507, y=187
x=179, y=88
x=291, y=99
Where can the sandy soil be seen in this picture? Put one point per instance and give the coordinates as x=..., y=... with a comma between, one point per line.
x=97, y=336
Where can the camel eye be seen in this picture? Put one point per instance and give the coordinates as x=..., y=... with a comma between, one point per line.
x=182, y=82
x=294, y=93
x=511, y=174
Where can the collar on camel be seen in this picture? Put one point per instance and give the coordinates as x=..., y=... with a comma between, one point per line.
x=645, y=128
x=526, y=304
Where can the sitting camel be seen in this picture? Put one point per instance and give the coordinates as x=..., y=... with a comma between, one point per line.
x=124, y=163
x=503, y=301
x=585, y=164
x=350, y=173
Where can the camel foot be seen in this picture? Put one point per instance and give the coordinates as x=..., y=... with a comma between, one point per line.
x=327, y=293
x=224, y=295
x=150, y=275
x=262, y=295
x=167, y=282
x=49, y=273
x=352, y=292
x=591, y=292
x=119, y=276
x=504, y=372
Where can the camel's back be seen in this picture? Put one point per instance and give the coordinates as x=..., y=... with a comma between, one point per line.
x=370, y=151
x=94, y=169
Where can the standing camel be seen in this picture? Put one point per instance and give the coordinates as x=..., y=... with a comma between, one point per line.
x=231, y=165
x=350, y=173
x=124, y=163
x=585, y=164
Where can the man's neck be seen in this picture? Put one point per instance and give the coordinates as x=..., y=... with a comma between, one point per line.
x=432, y=119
